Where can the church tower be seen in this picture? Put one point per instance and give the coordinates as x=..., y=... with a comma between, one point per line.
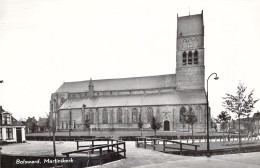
x=190, y=69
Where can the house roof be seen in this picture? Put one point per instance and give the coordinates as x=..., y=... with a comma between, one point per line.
x=42, y=122
x=256, y=115
x=178, y=97
x=190, y=25
x=147, y=82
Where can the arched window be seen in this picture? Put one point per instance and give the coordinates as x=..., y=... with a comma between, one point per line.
x=184, y=58
x=105, y=116
x=91, y=117
x=62, y=100
x=184, y=43
x=134, y=115
x=189, y=58
x=196, y=42
x=119, y=116
x=149, y=114
x=182, y=112
x=196, y=58
x=199, y=113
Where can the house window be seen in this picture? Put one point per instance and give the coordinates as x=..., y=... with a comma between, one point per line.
x=149, y=114
x=9, y=133
x=196, y=58
x=105, y=116
x=119, y=116
x=7, y=119
x=189, y=58
x=134, y=115
x=184, y=58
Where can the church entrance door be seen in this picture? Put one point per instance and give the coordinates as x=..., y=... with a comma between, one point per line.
x=166, y=124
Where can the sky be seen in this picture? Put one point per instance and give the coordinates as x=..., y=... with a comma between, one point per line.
x=44, y=43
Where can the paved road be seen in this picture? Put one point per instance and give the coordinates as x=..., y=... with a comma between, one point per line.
x=146, y=158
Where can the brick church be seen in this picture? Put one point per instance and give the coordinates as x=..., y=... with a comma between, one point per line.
x=120, y=103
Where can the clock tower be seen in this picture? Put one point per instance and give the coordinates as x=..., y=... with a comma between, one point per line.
x=190, y=69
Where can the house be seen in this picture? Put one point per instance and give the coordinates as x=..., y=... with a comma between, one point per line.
x=31, y=125
x=10, y=129
x=256, y=119
x=42, y=125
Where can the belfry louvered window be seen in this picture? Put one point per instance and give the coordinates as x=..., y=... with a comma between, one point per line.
x=190, y=58
x=196, y=58
x=184, y=58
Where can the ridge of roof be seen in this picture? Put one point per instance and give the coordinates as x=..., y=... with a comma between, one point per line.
x=120, y=78
x=130, y=83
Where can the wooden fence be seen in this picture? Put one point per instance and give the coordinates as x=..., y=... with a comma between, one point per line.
x=113, y=147
x=156, y=141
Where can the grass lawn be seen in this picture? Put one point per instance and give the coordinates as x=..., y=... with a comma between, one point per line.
x=116, y=134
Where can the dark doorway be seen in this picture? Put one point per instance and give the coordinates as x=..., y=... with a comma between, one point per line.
x=19, y=135
x=166, y=125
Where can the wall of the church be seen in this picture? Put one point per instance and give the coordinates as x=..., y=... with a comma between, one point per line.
x=127, y=117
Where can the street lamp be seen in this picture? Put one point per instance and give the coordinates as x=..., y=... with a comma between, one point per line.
x=216, y=78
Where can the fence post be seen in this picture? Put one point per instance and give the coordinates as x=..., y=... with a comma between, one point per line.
x=108, y=144
x=77, y=145
x=180, y=148
x=112, y=146
x=154, y=141
x=196, y=150
x=145, y=143
x=164, y=146
x=100, y=155
x=124, y=151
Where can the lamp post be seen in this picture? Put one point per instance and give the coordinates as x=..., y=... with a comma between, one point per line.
x=216, y=78
x=70, y=124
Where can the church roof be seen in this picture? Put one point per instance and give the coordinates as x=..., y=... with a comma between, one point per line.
x=147, y=82
x=176, y=98
x=190, y=25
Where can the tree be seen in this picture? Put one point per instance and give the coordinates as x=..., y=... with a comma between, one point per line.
x=240, y=104
x=155, y=125
x=87, y=125
x=223, y=119
x=190, y=118
x=48, y=122
x=140, y=124
x=182, y=121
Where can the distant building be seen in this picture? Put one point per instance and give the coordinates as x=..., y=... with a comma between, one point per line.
x=121, y=103
x=42, y=125
x=256, y=118
x=10, y=129
x=31, y=125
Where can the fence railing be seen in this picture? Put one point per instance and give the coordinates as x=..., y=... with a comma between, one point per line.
x=156, y=141
x=113, y=147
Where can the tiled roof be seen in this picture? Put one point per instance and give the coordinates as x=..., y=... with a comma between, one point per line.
x=190, y=25
x=133, y=83
x=175, y=98
x=42, y=122
x=256, y=115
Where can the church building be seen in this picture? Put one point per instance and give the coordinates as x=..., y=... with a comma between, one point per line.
x=121, y=103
